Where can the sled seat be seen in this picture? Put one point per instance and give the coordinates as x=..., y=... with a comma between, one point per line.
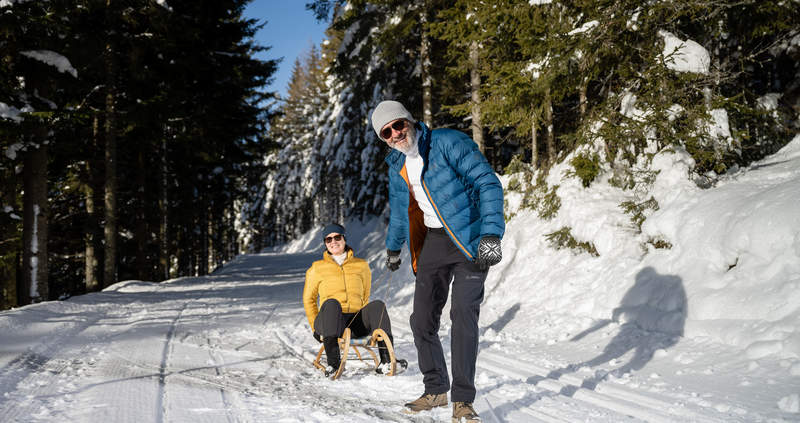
x=366, y=343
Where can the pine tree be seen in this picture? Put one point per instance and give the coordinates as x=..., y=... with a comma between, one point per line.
x=287, y=201
x=204, y=132
x=34, y=45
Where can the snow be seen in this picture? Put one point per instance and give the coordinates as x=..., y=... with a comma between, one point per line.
x=769, y=101
x=790, y=404
x=719, y=127
x=11, y=113
x=53, y=59
x=705, y=331
x=628, y=107
x=684, y=56
x=163, y=3
x=535, y=68
x=9, y=3
x=584, y=28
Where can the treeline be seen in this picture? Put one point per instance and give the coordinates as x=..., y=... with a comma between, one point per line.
x=128, y=130
x=604, y=84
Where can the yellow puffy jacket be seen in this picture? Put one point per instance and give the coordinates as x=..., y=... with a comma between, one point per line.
x=349, y=284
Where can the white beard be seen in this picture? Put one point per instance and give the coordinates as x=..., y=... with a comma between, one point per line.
x=410, y=149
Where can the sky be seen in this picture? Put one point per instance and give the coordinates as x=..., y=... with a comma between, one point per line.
x=290, y=31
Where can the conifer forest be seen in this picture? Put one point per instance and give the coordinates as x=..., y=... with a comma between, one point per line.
x=143, y=139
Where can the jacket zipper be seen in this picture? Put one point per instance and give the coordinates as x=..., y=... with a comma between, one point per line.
x=344, y=281
x=441, y=219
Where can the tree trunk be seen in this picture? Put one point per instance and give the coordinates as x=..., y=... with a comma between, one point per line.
x=143, y=268
x=34, y=227
x=475, y=86
x=202, y=239
x=163, y=206
x=110, y=198
x=548, y=121
x=9, y=242
x=91, y=233
x=425, y=61
x=583, y=97
x=583, y=89
x=534, y=141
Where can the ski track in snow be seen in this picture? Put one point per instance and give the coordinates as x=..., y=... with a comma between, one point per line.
x=234, y=347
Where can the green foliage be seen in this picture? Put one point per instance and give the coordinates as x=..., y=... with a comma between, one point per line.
x=638, y=210
x=563, y=238
x=536, y=195
x=516, y=165
x=659, y=243
x=586, y=167
x=548, y=204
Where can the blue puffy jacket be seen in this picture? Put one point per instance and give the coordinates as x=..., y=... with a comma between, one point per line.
x=459, y=182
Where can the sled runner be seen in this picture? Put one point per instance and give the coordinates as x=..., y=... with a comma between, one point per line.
x=358, y=345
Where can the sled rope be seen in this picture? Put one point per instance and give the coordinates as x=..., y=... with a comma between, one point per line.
x=383, y=312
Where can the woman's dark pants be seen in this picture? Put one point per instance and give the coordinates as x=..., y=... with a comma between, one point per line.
x=331, y=322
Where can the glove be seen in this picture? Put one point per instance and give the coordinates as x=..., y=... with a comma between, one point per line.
x=393, y=259
x=489, y=252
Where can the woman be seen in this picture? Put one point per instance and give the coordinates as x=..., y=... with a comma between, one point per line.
x=342, y=282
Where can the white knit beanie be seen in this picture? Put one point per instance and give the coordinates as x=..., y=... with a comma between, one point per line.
x=388, y=111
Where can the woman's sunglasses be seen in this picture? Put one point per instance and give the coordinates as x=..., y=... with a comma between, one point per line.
x=398, y=126
x=330, y=239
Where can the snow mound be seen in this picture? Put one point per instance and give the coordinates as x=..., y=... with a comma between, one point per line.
x=731, y=272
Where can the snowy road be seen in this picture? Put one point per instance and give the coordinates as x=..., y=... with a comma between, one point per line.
x=235, y=347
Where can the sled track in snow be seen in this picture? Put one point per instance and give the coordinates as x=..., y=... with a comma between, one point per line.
x=38, y=358
x=162, y=370
x=622, y=402
x=386, y=411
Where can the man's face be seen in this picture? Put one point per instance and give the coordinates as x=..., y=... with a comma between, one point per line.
x=399, y=134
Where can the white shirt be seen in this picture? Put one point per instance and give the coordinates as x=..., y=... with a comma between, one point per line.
x=414, y=165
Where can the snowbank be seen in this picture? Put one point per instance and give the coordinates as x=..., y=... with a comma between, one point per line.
x=731, y=275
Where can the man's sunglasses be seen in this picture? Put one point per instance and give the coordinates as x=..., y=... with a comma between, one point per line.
x=398, y=126
x=330, y=239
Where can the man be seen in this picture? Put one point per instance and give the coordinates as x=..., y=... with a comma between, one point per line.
x=447, y=204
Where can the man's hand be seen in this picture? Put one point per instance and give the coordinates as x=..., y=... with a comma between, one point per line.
x=393, y=259
x=489, y=252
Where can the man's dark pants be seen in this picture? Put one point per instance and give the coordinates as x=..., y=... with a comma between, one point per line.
x=439, y=263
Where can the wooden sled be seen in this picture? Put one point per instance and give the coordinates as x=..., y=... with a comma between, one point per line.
x=368, y=344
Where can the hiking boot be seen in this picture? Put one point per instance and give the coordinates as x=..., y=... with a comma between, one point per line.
x=428, y=402
x=464, y=413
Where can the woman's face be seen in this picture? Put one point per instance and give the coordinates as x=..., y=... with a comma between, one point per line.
x=335, y=243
